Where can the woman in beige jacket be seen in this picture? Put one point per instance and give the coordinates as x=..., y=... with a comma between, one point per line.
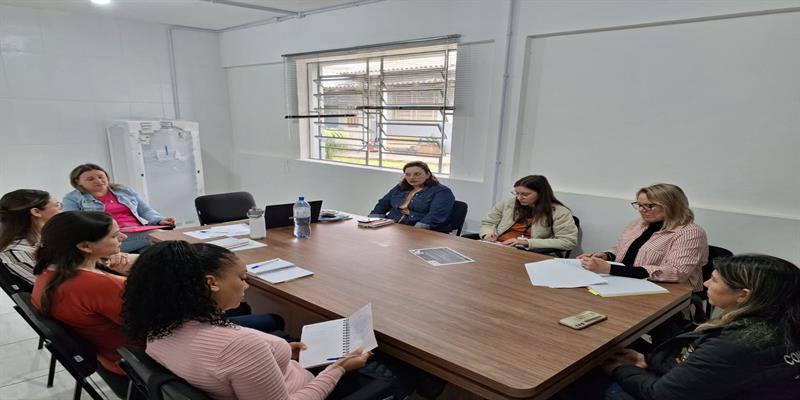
x=533, y=218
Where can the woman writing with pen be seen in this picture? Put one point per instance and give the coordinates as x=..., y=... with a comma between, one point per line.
x=533, y=218
x=663, y=244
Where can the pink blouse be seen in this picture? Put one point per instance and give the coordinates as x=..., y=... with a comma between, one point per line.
x=234, y=362
x=676, y=255
x=120, y=212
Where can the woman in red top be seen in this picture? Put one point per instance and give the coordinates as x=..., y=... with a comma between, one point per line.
x=70, y=288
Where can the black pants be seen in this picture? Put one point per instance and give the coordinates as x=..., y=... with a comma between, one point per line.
x=385, y=376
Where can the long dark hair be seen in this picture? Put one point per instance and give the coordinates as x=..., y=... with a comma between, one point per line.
x=431, y=181
x=167, y=287
x=15, y=215
x=543, y=208
x=773, y=308
x=76, y=172
x=59, y=246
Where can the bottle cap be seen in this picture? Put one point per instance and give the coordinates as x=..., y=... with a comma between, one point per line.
x=302, y=198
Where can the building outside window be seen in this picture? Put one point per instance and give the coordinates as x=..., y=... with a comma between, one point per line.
x=380, y=108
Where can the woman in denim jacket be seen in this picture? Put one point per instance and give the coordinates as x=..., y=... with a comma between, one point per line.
x=94, y=192
x=418, y=200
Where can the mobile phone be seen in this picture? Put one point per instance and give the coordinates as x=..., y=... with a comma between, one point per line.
x=582, y=320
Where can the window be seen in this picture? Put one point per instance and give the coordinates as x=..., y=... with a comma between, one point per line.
x=380, y=108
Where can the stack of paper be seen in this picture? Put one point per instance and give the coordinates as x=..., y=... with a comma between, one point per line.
x=277, y=271
x=234, y=244
x=561, y=273
x=622, y=286
x=219, y=231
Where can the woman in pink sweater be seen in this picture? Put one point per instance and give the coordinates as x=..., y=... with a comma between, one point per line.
x=179, y=311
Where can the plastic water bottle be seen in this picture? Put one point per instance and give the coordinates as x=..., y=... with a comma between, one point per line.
x=258, y=226
x=302, y=218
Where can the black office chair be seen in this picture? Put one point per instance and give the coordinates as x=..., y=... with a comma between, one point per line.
x=12, y=284
x=698, y=298
x=557, y=252
x=77, y=356
x=458, y=216
x=152, y=380
x=223, y=207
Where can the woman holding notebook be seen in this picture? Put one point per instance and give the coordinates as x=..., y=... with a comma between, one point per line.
x=94, y=192
x=663, y=244
x=186, y=332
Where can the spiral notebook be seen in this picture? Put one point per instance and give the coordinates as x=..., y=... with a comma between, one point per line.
x=331, y=340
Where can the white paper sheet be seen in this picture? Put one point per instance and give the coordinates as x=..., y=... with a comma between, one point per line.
x=277, y=270
x=622, y=286
x=561, y=273
x=440, y=256
x=219, y=231
x=234, y=244
x=331, y=340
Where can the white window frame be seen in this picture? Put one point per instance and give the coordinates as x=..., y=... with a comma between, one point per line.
x=382, y=123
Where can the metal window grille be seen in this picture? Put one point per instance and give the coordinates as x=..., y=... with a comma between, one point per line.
x=381, y=109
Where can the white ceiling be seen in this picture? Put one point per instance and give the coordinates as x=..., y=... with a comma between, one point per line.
x=205, y=14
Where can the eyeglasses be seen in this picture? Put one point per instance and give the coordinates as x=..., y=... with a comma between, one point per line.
x=415, y=175
x=645, y=206
x=514, y=193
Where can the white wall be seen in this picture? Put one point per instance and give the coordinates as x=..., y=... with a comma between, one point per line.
x=63, y=75
x=265, y=153
x=202, y=87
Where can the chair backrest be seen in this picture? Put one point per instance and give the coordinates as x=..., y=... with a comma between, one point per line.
x=458, y=216
x=11, y=283
x=76, y=354
x=224, y=207
x=713, y=253
x=153, y=379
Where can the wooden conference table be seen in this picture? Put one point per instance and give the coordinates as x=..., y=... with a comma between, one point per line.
x=481, y=326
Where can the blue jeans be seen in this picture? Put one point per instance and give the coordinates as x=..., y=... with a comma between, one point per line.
x=136, y=241
x=266, y=323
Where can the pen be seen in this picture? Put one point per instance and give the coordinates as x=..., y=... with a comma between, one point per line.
x=334, y=358
x=264, y=263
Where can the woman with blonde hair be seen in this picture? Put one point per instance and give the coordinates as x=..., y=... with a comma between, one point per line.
x=95, y=192
x=663, y=244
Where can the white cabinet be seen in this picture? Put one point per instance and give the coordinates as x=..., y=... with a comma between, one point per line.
x=161, y=161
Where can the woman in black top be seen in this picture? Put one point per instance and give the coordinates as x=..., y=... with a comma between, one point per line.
x=751, y=352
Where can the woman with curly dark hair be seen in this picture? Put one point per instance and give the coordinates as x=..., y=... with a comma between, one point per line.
x=179, y=311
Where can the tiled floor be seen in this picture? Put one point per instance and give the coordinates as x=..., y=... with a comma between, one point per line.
x=23, y=368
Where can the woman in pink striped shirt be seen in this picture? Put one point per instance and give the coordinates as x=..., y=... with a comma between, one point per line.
x=175, y=299
x=664, y=244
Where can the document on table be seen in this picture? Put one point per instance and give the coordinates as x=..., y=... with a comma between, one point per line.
x=622, y=286
x=277, y=271
x=234, y=244
x=331, y=340
x=561, y=273
x=439, y=256
x=219, y=231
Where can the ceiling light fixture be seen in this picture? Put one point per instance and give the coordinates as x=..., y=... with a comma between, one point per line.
x=101, y=2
